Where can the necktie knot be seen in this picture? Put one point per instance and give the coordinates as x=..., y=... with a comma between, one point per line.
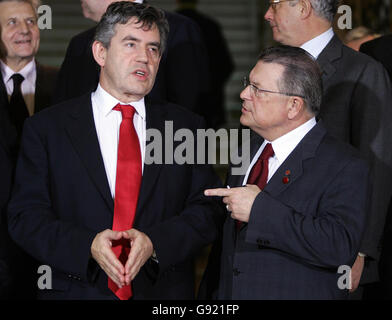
x=127, y=111
x=268, y=152
x=18, y=79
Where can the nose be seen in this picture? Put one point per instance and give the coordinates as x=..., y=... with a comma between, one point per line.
x=245, y=94
x=23, y=27
x=269, y=14
x=142, y=55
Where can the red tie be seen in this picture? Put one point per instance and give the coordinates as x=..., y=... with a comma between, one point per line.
x=259, y=173
x=128, y=180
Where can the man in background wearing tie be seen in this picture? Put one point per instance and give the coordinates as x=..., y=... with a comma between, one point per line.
x=25, y=88
x=299, y=212
x=86, y=203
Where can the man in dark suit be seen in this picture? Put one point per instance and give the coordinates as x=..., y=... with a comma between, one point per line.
x=221, y=62
x=181, y=77
x=18, y=46
x=298, y=214
x=356, y=106
x=81, y=164
x=6, y=179
x=381, y=50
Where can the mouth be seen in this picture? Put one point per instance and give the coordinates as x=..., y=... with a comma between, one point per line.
x=244, y=109
x=18, y=42
x=141, y=74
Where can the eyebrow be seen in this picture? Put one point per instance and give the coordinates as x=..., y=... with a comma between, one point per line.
x=132, y=38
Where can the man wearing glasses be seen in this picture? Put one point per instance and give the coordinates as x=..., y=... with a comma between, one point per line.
x=299, y=212
x=356, y=106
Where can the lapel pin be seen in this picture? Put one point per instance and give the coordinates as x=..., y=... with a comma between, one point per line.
x=286, y=179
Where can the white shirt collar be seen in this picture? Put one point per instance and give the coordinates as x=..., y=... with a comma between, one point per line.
x=285, y=144
x=106, y=102
x=316, y=45
x=138, y=1
x=28, y=72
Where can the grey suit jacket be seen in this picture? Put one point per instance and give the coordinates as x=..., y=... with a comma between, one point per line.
x=357, y=109
x=299, y=232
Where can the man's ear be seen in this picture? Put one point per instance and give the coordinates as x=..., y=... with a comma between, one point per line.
x=99, y=53
x=306, y=8
x=295, y=107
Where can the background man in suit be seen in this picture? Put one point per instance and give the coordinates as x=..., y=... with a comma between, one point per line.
x=25, y=88
x=181, y=77
x=381, y=50
x=302, y=212
x=356, y=105
x=221, y=63
x=72, y=165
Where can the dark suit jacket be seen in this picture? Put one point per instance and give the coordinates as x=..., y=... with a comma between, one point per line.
x=17, y=271
x=5, y=185
x=357, y=109
x=62, y=199
x=298, y=233
x=181, y=75
x=221, y=67
x=381, y=50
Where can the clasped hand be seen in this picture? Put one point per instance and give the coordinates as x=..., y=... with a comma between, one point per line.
x=141, y=251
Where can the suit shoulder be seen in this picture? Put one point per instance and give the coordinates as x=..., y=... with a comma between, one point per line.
x=56, y=113
x=334, y=150
x=359, y=58
x=81, y=41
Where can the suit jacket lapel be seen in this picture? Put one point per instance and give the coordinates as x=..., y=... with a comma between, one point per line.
x=294, y=163
x=82, y=133
x=331, y=52
x=155, y=119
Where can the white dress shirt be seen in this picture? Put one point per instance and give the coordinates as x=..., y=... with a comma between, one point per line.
x=29, y=73
x=282, y=146
x=107, y=123
x=317, y=45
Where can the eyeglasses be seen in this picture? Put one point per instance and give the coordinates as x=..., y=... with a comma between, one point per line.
x=274, y=3
x=257, y=91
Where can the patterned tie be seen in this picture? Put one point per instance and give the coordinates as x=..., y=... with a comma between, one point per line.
x=128, y=180
x=17, y=107
x=259, y=173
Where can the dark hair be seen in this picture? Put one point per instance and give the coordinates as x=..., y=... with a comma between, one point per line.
x=301, y=75
x=121, y=12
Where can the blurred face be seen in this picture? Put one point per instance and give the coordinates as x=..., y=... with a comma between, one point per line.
x=283, y=19
x=131, y=62
x=94, y=9
x=266, y=113
x=19, y=31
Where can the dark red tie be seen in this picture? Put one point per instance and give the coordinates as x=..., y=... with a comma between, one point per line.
x=128, y=180
x=259, y=173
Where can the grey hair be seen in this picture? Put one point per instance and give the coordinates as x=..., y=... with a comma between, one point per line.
x=326, y=9
x=121, y=12
x=301, y=76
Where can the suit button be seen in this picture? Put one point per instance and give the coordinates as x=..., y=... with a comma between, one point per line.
x=236, y=272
